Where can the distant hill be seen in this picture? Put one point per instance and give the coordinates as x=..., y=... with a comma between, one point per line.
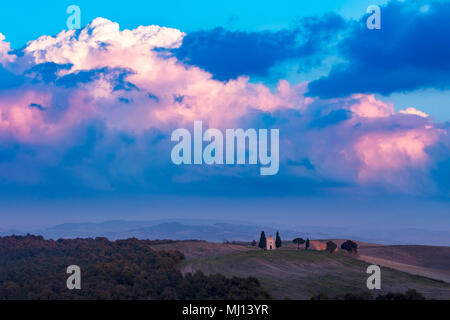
x=217, y=231
x=181, y=229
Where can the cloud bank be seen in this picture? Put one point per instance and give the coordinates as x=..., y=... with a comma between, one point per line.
x=93, y=110
x=409, y=52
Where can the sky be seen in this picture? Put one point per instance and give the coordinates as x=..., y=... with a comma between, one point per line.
x=86, y=115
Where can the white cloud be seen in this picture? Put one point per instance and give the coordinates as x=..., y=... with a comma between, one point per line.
x=414, y=111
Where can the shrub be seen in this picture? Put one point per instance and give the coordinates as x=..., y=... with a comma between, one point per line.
x=350, y=246
x=331, y=246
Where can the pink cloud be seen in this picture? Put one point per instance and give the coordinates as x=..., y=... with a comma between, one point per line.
x=384, y=155
x=19, y=120
x=369, y=107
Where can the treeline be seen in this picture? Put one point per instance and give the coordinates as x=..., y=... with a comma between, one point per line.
x=409, y=294
x=34, y=268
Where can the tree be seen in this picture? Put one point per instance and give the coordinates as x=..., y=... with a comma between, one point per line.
x=350, y=246
x=307, y=244
x=298, y=241
x=278, y=241
x=262, y=241
x=320, y=296
x=331, y=246
x=253, y=243
x=410, y=294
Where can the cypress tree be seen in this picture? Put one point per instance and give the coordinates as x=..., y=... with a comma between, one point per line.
x=278, y=241
x=307, y=244
x=262, y=241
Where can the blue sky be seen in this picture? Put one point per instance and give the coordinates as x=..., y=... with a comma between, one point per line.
x=86, y=117
x=27, y=20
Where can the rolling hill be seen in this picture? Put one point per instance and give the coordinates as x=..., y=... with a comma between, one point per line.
x=429, y=261
x=293, y=274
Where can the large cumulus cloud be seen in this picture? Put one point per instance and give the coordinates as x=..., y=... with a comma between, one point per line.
x=94, y=110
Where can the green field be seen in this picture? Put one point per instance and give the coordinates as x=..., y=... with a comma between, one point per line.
x=302, y=274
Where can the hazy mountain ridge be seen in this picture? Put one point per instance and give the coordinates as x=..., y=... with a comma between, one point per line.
x=185, y=229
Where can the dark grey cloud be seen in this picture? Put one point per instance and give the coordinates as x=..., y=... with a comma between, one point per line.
x=229, y=54
x=411, y=51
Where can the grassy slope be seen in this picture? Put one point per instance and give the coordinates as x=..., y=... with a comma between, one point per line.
x=302, y=274
x=429, y=261
x=196, y=249
x=423, y=256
